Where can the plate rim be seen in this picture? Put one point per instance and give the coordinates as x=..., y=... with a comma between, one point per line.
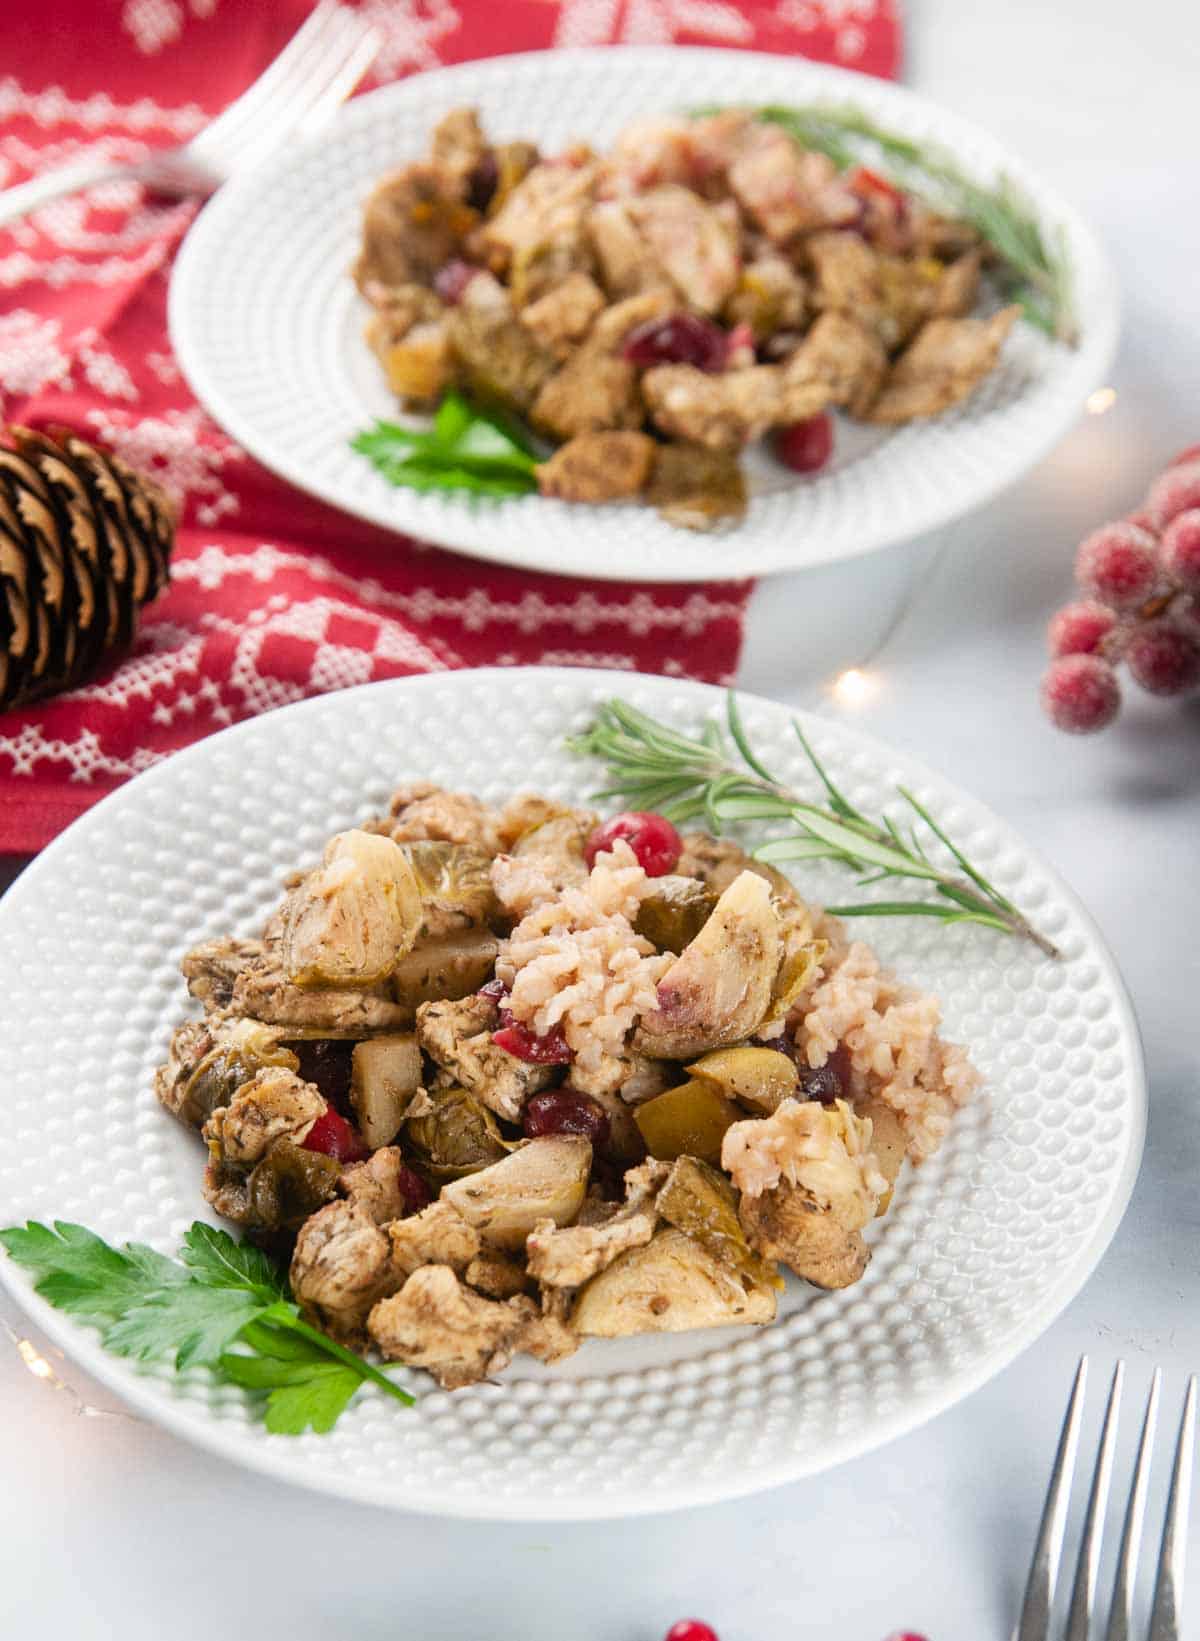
x=121, y=1378
x=449, y=534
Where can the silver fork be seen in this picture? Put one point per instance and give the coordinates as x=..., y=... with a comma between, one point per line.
x=1037, y=1613
x=313, y=74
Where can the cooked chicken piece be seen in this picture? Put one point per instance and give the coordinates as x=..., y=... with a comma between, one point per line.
x=669, y=1285
x=438, y=1235
x=458, y=1035
x=770, y=296
x=690, y=242
x=721, y=412
x=549, y=1335
x=567, y=1257
x=545, y=209
x=845, y=273
x=542, y=1179
x=452, y=966
x=210, y=1059
x=717, y=861
x=786, y=189
x=385, y=1073
x=842, y=356
x=264, y=993
x=592, y=393
x=616, y=322
x=565, y=314
x=376, y=1185
x=435, y=1322
x=501, y=361
x=696, y=488
x=890, y=295
x=211, y=968
x=341, y=1267
x=627, y=264
x=354, y=916
x=421, y=810
x=609, y=466
x=789, y=1224
x=456, y=149
x=274, y=1103
x=942, y=367
x=825, y=1149
x=411, y=227
x=495, y=1275
x=958, y=287
x=652, y=150
x=421, y=366
x=719, y=989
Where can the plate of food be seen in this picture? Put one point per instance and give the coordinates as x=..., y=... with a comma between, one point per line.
x=451, y=1094
x=644, y=313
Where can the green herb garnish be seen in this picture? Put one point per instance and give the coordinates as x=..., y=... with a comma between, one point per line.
x=1032, y=275
x=686, y=778
x=465, y=449
x=223, y=1306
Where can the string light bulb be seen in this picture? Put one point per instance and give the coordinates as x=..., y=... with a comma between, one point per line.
x=854, y=687
x=34, y=1360
x=1104, y=398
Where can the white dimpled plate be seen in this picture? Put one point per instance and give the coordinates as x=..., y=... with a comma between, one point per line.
x=268, y=327
x=984, y=1245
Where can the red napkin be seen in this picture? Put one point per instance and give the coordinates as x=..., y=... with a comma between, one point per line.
x=275, y=596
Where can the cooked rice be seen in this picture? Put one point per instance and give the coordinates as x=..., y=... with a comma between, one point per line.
x=574, y=961
x=890, y=1032
x=825, y=1149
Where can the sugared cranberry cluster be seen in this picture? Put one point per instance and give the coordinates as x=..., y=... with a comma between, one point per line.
x=1141, y=578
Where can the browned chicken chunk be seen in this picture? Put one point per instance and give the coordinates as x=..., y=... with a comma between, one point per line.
x=436, y=1322
x=273, y=1104
x=501, y=362
x=784, y=189
x=438, y=1235
x=211, y=968
x=411, y=227
x=422, y=812
x=842, y=356
x=598, y=467
x=565, y=314
x=459, y=1037
x=341, y=1267
x=696, y=488
x=942, y=366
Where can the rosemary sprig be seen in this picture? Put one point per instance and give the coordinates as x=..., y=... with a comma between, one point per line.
x=1034, y=275
x=696, y=778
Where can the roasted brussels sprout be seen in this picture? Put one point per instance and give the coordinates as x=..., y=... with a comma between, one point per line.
x=790, y=1225
x=797, y=970
x=669, y=1286
x=248, y=1049
x=674, y=912
x=289, y=1184
x=452, y=878
x=351, y=919
x=699, y=1201
x=451, y=968
x=542, y=1179
x=758, y=1077
x=385, y=1074
x=559, y=835
x=688, y=1121
x=453, y=1134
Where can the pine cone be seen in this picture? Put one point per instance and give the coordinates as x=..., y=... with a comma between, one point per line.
x=84, y=543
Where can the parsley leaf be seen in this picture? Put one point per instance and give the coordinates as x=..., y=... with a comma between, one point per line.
x=213, y=1256
x=78, y=1272
x=190, y=1321
x=465, y=449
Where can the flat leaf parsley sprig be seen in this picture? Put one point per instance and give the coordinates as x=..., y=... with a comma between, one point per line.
x=654, y=767
x=223, y=1306
x=464, y=449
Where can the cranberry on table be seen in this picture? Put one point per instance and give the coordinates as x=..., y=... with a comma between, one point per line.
x=1173, y=492
x=334, y=1137
x=652, y=838
x=805, y=446
x=566, y=1111
x=679, y=339
x=452, y=280
x=1179, y=550
x=691, y=1629
x=1163, y=658
x=1080, y=694
x=1080, y=629
x=1118, y=565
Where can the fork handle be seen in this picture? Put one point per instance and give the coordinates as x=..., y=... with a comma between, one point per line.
x=64, y=179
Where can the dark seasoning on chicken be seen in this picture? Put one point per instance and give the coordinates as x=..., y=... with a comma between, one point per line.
x=652, y=311
x=498, y=1080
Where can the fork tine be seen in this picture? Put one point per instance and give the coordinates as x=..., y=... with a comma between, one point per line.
x=1083, y=1596
x=302, y=49
x=341, y=85
x=1043, y=1572
x=1121, y=1617
x=1165, y=1618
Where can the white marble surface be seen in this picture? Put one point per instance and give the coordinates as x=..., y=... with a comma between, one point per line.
x=110, y=1528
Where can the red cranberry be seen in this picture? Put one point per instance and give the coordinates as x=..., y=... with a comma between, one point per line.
x=1118, y=565
x=1191, y=454
x=566, y=1111
x=679, y=339
x=452, y=280
x=523, y=1044
x=1081, y=694
x=828, y=1082
x=413, y=1189
x=1179, y=550
x=1173, y=492
x=805, y=446
x=325, y=1061
x=652, y=838
x=905, y=1635
x=1080, y=629
x=865, y=181
x=481, y=184
x=334, y=1137
x=690, y=1629
x=1163, y=658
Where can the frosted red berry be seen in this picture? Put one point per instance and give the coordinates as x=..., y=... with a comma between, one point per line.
x=652, y=838
x=805, y=446
x=1080, y=629
x=1174, y=492
x=690, y=1629
x=679, y=339
x=905, y=1635
x=1179, y=550
x=1182, y=457
x=1163, y=658
x=334, y=1137
x=1080, y=694
x=1118, y=565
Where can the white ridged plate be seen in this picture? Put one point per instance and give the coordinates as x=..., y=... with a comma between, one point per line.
x=267, y=326
x=980, y=1251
